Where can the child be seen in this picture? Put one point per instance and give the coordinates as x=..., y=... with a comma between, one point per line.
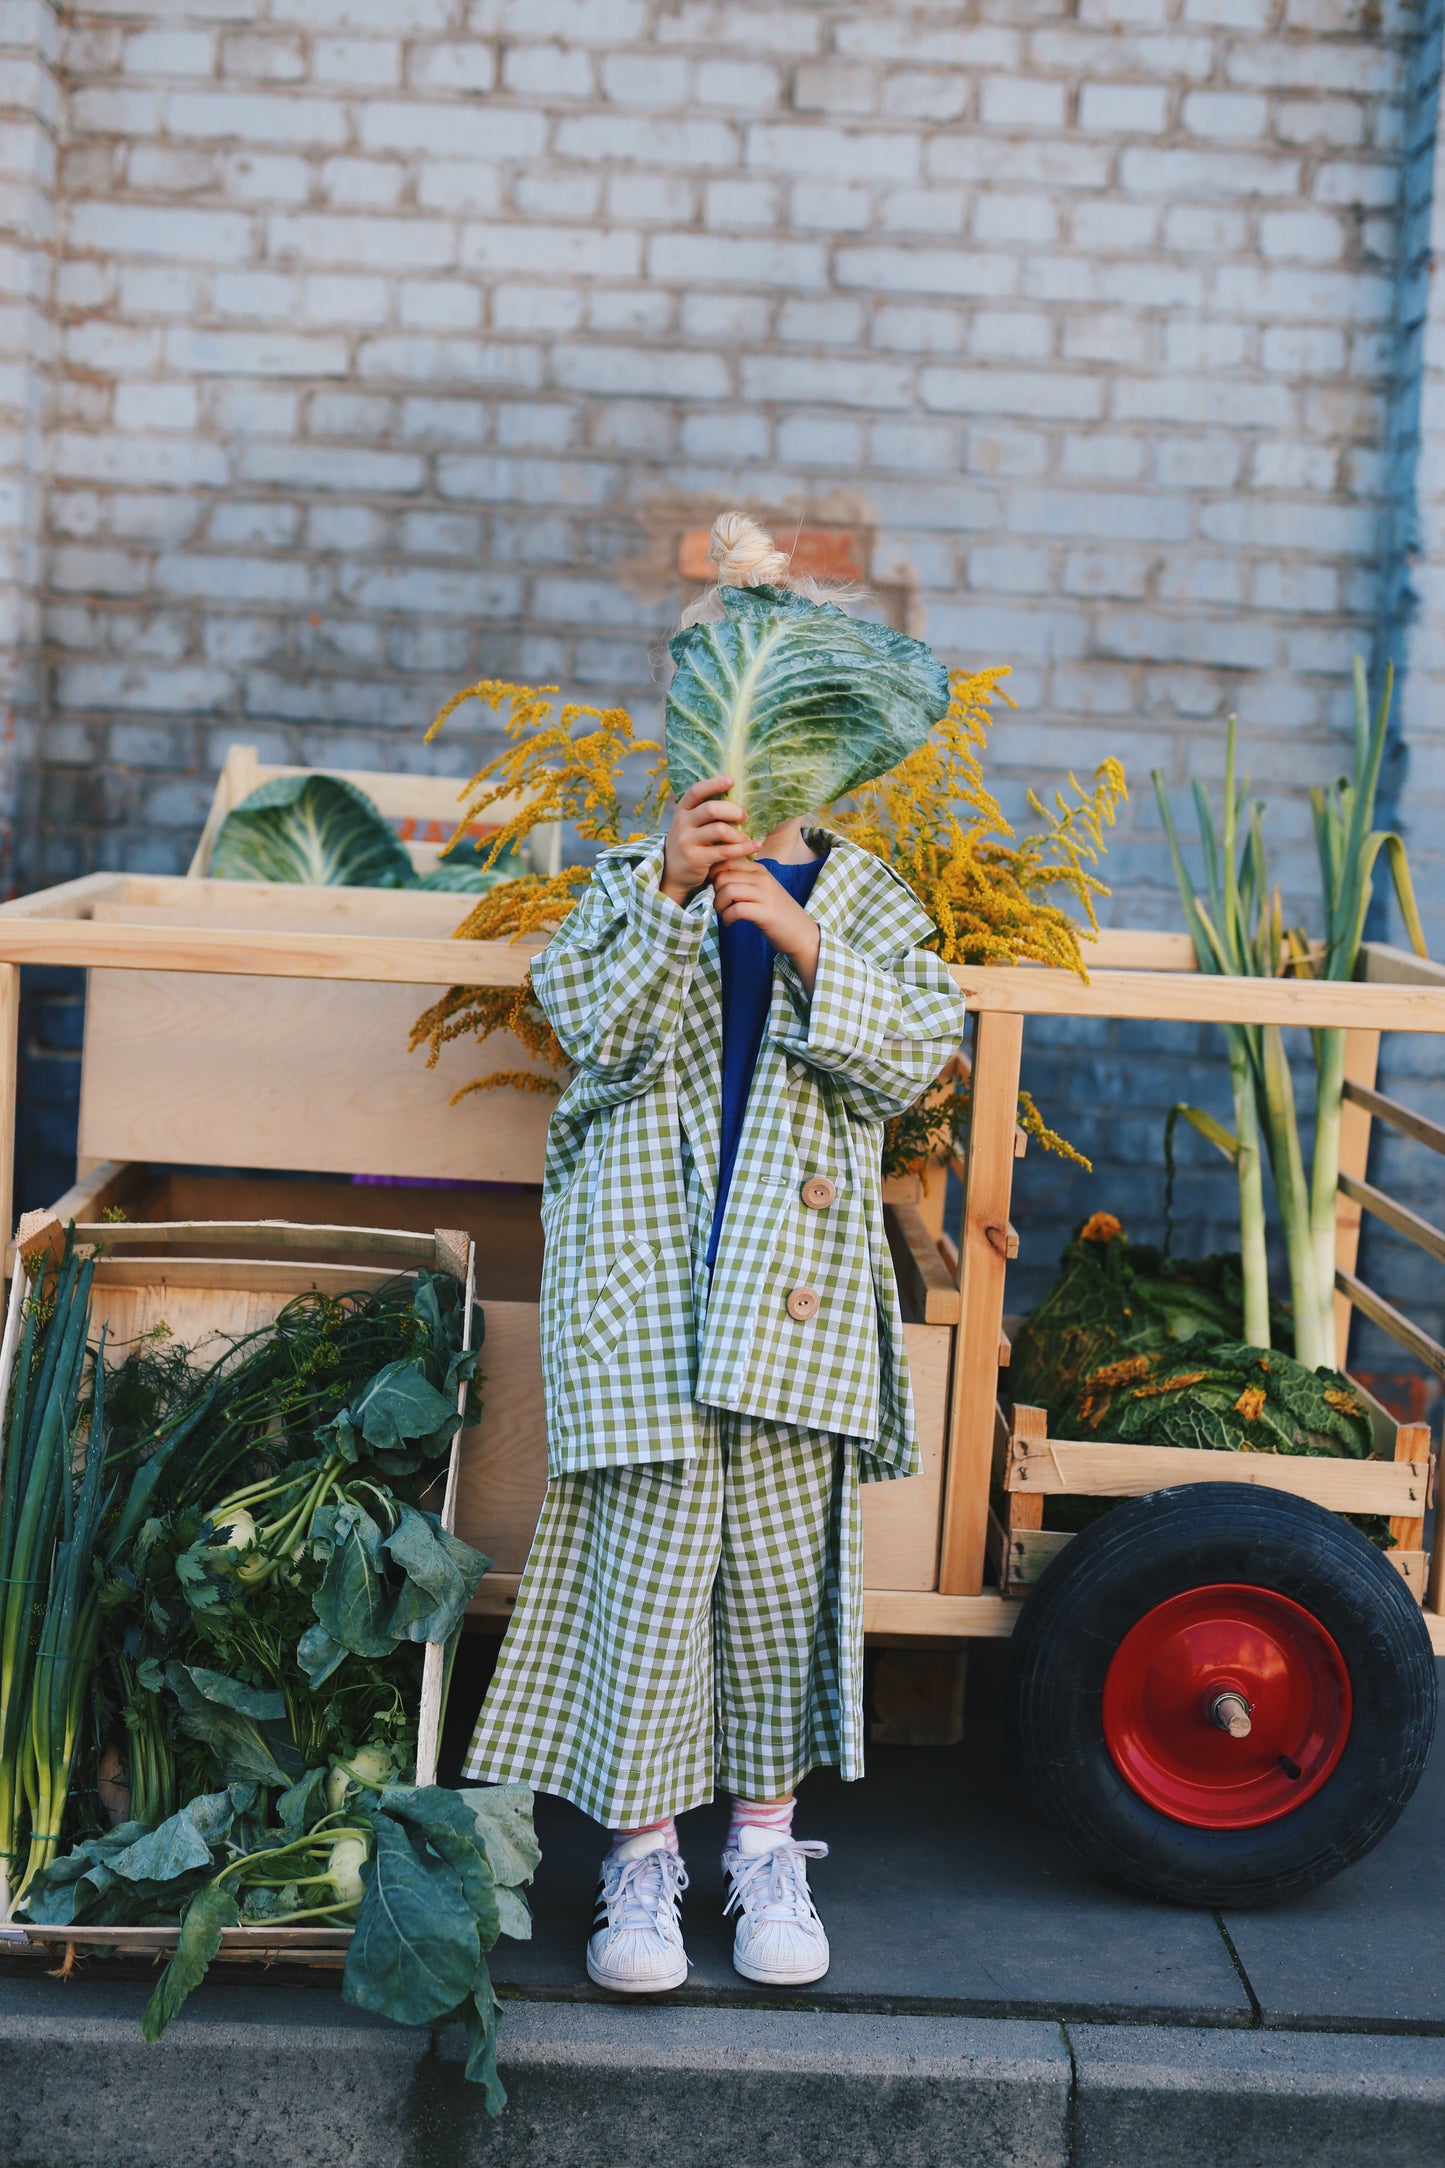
x=722, y=1350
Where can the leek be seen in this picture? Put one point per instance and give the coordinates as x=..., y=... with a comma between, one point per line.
x=36, y=1507
x=1348, y=847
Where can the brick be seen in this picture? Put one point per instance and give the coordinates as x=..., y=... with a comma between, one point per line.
x=97, y=459
x=830, y=206
x=340, y=298
x=156, y=406
x=1357, y=184
x=1215, y=581
x=557, y=195
x=735, y=318
x=1197, y=462
x=1335, y=296
x=1105, y=223
x=1303, y=588
x=237, y=524
x=1028, y=392
x=348, y=527
x=923, y=210
x=547, y=71
x=1025, y=220
x=816, y=440
x=1312, y=64
x=332, y=466
x=263, y=177
x=431, y=590
x=185, y=53
x=575, y=22
x=1225, y=116
x=923, y=271
x=440, y=305
x=1101, y=458
x=345, y=414
x=125, y=685
x=714, y=23
x=1010, y=568
x=915, y=446
x=462, y=130
x=112, y=349
x=362, y=183
x=1010, y=334
x=1312, y=529
x=1338, y=123
x=1303, y=350
x=258, y=59
x=453, y=185
x=827, y=380
x=1170, y=172
x=1202, y=402
x=1116, y=574
x=741, y=203
x=526, y=423
x=633, y=139
x=833, y=322
x=834, y=86
x=131, y=230
x=535, y=308
x=922, y=94
x=416, y=358
x=651, y=199
x=1283, y=465
x=254, y=117
x=396, y=17
x=918, y=331
x=1124, y=108
x=254, y=353
x=359, y=63
x=744, y=86
x=649, y=80
x=729, y=433
x=401, y=244
x=1302, y=236
x=558, y=251
x=854, y=155
x=1209, y=229
x=1130, y=340
x=452, y=68
x=1021, y=101
x=641, y=371
x=636, y=311
x=253, y=293
x=718, y=259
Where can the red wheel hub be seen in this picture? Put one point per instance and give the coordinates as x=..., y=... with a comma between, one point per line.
x=1200, y=1660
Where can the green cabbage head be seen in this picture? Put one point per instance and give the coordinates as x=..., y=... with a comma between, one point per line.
x=315, y=829
x=796, y=701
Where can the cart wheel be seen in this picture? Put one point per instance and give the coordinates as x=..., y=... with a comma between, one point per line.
x=1222, y=1695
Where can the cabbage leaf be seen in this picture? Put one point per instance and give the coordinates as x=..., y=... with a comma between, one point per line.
x=315, y=829
x=796, y=701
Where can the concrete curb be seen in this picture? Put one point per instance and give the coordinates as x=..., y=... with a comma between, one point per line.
x=251, y=2073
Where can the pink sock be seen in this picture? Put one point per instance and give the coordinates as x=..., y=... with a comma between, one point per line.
x=750, y=1813
x=664, y=1827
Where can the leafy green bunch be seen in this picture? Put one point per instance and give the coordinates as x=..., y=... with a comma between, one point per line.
x=428, y=1879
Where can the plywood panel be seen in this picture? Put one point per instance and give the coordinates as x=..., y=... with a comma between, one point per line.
x=217, y=1071
x=503, y=1465
x=900, y=1520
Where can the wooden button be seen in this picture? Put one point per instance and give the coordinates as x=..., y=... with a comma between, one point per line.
x=803, y=1303
x=818, y=1191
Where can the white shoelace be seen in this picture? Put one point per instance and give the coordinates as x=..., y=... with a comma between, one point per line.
x=773, y=1885
x=636, y=1892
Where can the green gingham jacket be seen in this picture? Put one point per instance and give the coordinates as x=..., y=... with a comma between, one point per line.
x=632, y=1335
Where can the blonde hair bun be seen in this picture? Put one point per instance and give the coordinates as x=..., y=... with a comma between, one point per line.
x=745, y=553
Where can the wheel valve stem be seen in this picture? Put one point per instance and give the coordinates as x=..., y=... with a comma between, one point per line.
x=1231, y=1713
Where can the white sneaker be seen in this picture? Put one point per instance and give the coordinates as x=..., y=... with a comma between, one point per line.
x=638, y=1951
x=780, y=1940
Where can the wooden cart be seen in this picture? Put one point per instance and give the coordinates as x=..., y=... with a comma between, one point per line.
x=199, y=1053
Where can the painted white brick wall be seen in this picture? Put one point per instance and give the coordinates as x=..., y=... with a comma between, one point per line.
x=29, y=103
x=398, y=338
x=392, y=339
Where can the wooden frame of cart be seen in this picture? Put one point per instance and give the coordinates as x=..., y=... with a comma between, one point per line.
x=188, y=977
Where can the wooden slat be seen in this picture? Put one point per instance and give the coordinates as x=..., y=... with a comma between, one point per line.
x=68, y=899
x=1399, y=1216
x=289, y=1942
x=1362, y=1057
x=1030, y=1552
x=1394, y=1322
x=379, y=959
x=260, y=1274
x=1412, y=1443
x=278, y=1234
x=986, y=1198
x=1062, y=1468
x=1404, y=1119
x=924, y=1278
x=906, y=1611
x=1161, y=997
x=1117, y=948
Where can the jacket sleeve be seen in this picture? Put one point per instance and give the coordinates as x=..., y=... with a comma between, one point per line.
x=614, y=978
x=882, y=1028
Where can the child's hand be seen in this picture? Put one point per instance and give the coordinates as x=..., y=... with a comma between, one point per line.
x=704, y=835
x=744, y=889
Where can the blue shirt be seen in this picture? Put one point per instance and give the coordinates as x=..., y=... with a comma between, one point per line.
x=746, y=955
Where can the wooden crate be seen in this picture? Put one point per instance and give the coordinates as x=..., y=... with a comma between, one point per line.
x=208, y=1282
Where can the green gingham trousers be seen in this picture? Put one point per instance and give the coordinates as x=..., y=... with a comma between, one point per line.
x=686, y=1624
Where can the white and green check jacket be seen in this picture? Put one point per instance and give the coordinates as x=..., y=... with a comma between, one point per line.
x=632, y=1335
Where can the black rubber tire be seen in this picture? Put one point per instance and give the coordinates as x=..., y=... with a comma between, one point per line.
x=1151, y=1548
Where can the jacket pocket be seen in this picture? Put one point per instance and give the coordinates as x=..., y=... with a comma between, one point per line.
x=617, y=1300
